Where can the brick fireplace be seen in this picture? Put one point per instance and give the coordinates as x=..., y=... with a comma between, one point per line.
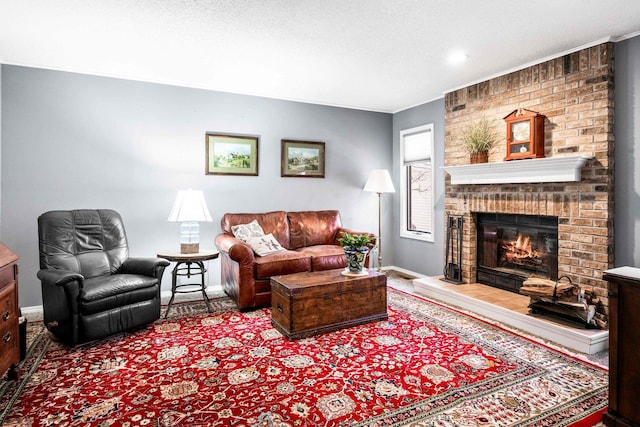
x=575, y=94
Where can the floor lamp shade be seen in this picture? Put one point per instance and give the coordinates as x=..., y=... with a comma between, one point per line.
x=189, y=209
x=379, y=182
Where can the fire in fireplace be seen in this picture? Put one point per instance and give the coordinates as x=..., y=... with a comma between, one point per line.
x=512, y=248
x=521, y=252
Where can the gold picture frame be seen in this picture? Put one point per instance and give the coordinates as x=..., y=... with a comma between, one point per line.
x=231, y=154
x=302, y=159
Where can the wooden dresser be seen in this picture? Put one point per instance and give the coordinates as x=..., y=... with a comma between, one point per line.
x=9, y=335
x=624, y=350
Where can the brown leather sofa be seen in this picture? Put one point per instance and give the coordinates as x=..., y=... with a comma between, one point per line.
x=310, y=240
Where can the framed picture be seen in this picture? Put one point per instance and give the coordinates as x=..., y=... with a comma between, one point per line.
x=229, y=154
x=303, y=159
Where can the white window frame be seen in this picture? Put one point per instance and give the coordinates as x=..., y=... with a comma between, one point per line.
x=404, y=191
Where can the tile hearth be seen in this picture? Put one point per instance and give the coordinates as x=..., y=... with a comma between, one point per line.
x=512, y=310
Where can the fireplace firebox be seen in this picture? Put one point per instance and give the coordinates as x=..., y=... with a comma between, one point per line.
x=512, y=248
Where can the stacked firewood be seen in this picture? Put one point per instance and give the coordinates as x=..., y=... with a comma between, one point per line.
x=564, y=298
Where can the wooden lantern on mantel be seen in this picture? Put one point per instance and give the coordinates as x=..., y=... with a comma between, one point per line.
x=525, y=135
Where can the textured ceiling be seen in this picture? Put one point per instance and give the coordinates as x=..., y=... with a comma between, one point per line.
x=381, y=55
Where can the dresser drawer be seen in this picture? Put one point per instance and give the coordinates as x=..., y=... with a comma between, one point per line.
x=9, y=346
x=9, y=335
x=9, y=329
x=6, y=275
x=8, y=305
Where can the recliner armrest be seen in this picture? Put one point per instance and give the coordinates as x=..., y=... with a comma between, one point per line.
x=59, y=277
x=142, y=266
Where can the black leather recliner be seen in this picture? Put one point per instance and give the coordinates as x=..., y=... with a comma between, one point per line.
x=90, y=287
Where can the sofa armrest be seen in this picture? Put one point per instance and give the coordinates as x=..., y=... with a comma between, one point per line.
x=236, y=249
x=237, y=270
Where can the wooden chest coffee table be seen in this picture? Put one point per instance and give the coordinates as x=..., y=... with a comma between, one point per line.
x=307, y=304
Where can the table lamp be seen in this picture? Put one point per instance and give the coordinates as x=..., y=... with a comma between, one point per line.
x=189, y=209
x=379, y=182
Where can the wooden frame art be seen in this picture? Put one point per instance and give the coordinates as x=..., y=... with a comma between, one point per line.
x=302, y=159
x=231, y=154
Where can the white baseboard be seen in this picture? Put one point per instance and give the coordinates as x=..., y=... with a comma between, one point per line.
x=36, y=309
x=403, y=271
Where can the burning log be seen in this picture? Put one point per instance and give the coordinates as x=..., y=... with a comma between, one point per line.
x=520, y=251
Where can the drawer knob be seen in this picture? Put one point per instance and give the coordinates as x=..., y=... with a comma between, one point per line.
x=279, y=307
x=7, y=338
x=6, y=315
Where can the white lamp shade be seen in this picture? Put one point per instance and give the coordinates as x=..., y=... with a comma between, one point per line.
x=379, y=182
x=189, y=206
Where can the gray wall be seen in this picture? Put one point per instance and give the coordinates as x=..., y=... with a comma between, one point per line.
x=422, y=257
x=71, y=141
x=0, y=151
x=627, y=153
x=76, y=141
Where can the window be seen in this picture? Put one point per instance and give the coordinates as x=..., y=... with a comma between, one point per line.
x=416, y=183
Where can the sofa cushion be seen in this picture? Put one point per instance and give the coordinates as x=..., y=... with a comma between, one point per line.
x=325, y=257
x=265, y=245
x=245, y=232
x=309, y=228
x=279, y=263
x=271, y=222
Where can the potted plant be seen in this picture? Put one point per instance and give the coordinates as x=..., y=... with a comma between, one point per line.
x=356, y=247
x=477, y=139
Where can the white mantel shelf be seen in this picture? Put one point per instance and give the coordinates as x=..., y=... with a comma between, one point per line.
x=550, y=169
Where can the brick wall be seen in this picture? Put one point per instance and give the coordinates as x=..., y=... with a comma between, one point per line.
x=575, y=93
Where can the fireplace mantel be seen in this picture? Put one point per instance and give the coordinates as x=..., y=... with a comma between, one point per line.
x=550, y=169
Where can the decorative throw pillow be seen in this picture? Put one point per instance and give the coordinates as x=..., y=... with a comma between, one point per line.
x=246, y=231
x=265, y=245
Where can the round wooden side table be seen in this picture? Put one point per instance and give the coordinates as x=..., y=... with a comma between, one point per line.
x=188, y=265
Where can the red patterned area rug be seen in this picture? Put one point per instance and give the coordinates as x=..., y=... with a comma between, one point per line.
x=428, y=365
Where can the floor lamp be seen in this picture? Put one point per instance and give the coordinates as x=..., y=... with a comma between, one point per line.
x=379, y=182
